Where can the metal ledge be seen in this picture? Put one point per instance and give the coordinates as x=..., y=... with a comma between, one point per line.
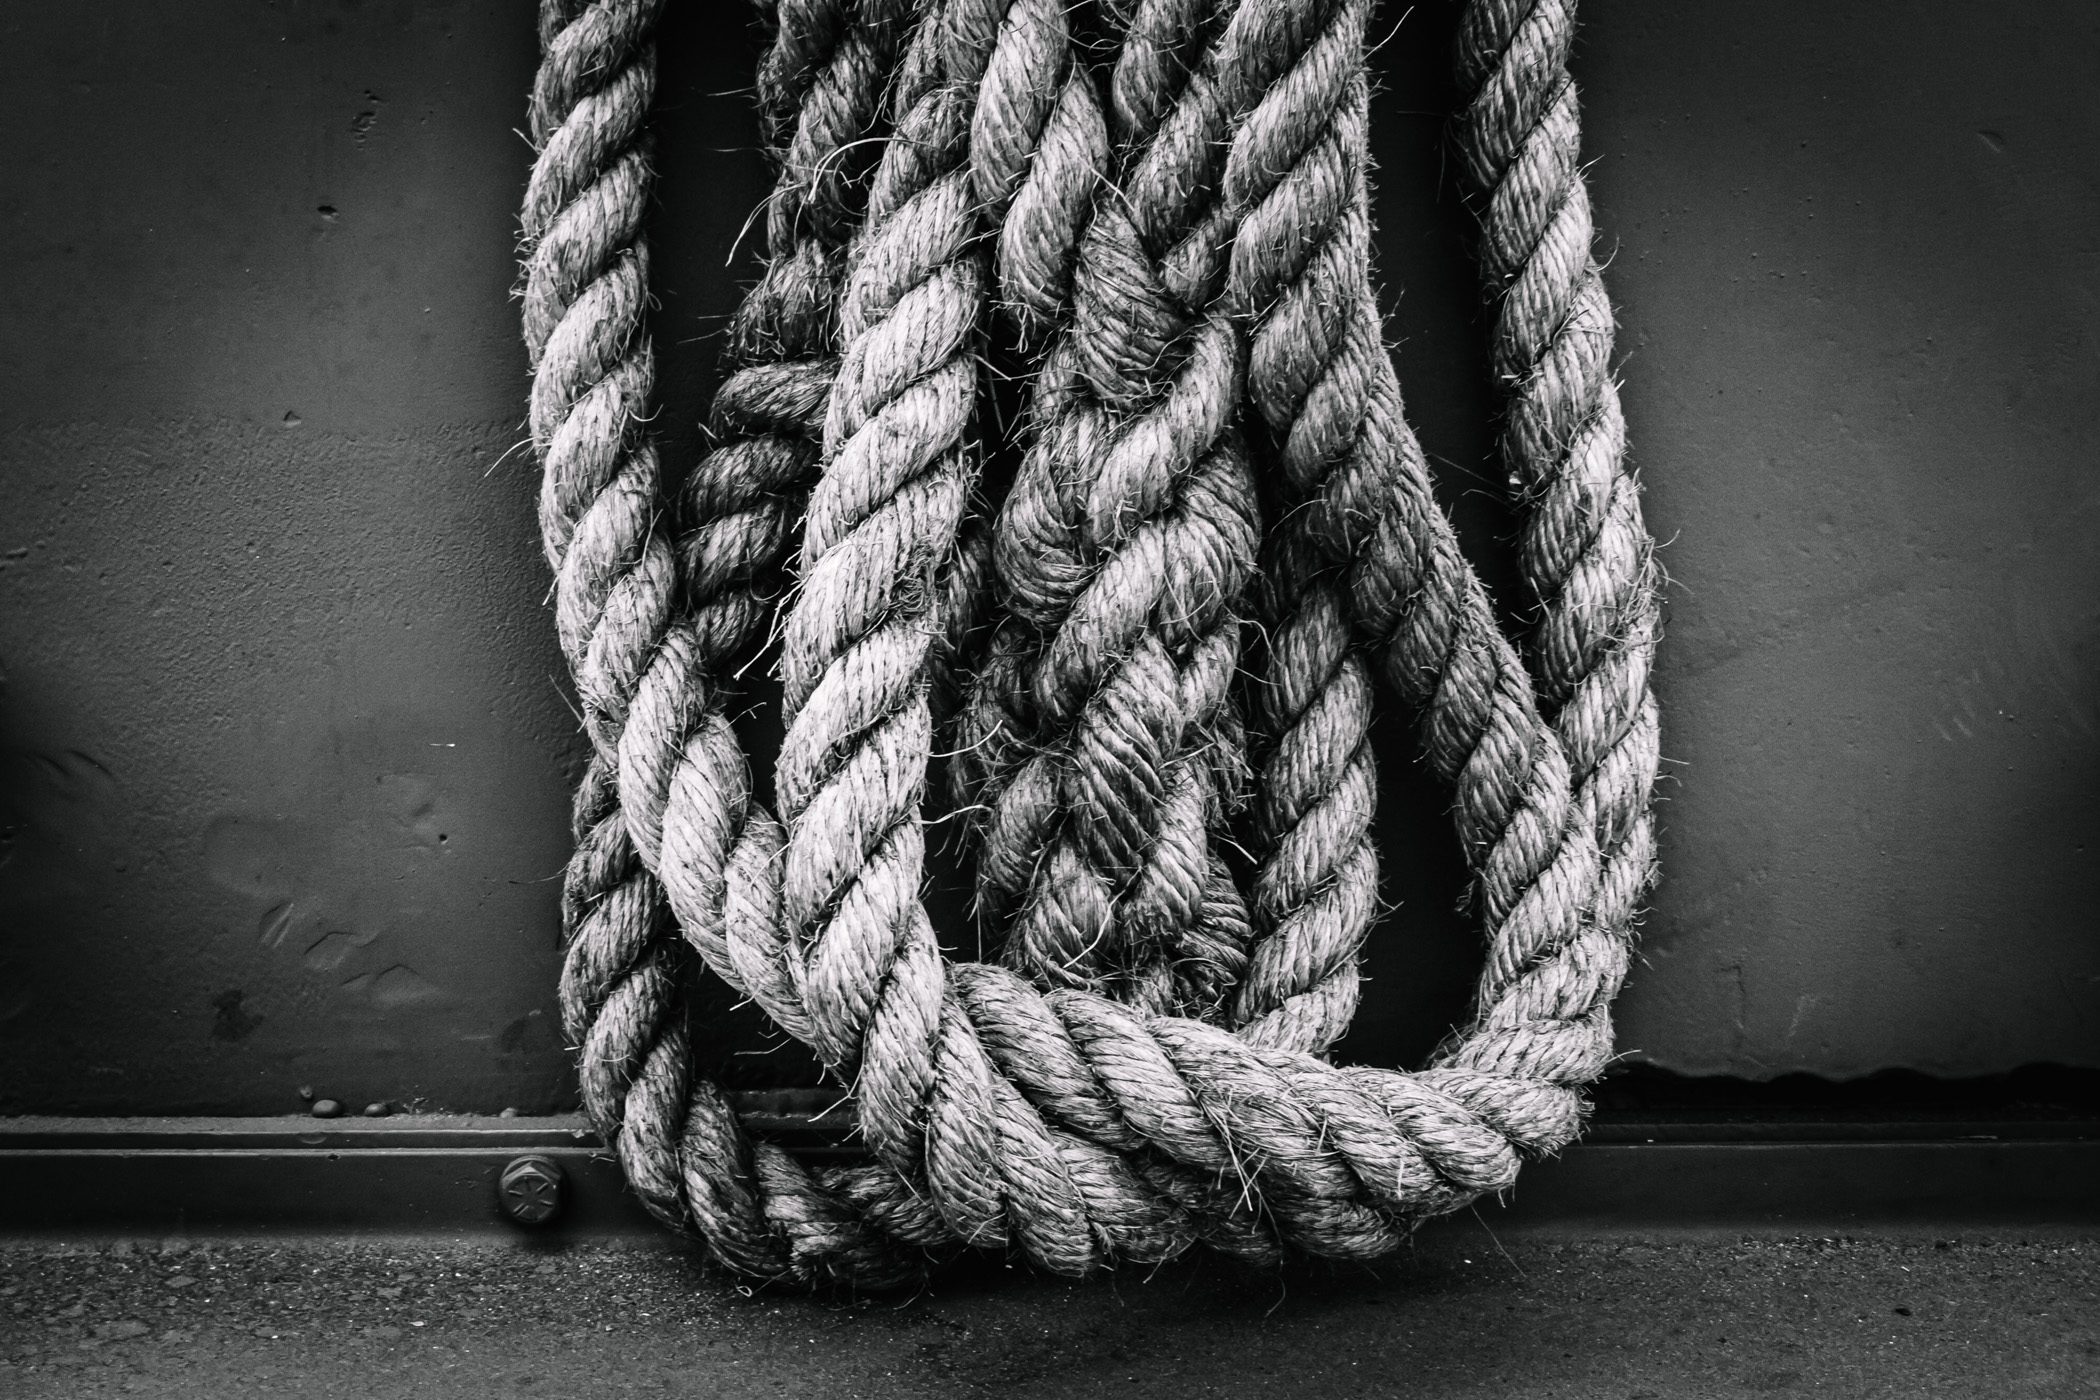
x=429, y=1174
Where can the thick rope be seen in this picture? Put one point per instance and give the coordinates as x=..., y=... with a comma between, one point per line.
x=1039, y=98
x=1585, y=549
x=1122, y=552
x=584, y=296
x=687, y=778
x=1363, y=538
x=1038, y=153
x=1066, y=1125
x=758, y=1209
x=621, y=992
x=742, y=503
x=1295, y=269
x=740, y=507
x=898, y=471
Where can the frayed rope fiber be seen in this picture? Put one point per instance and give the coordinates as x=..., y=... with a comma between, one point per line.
x=1142, y=619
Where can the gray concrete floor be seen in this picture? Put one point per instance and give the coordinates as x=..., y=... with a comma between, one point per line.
x=1463, y=1315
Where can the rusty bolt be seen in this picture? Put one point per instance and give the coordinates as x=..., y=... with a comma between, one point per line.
x=531, y=1189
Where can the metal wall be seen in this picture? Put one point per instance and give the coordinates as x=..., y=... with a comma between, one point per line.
x=285, y=742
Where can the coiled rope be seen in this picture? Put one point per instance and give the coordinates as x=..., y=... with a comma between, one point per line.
x=1168, y=215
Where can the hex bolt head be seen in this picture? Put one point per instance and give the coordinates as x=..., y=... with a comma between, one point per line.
x=531, y=1189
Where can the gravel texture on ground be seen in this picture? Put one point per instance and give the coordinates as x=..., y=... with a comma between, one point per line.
x=1462, y=1315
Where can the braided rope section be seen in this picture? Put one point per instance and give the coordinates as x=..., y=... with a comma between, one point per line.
x=1072, y=1127
x=1585, y=550
x=1111, y=748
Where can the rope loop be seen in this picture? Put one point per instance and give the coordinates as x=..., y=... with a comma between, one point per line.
x=1153, y=654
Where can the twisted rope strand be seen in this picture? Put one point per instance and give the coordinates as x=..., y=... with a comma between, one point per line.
x=1585, y=550
x=1367, y=522
x=1038, y=152
x=584, y=293
x=621, y=990
x=758, y=920
x=854, y=663
x=759, y=1211
x=1295, y=168
x=1125, y=544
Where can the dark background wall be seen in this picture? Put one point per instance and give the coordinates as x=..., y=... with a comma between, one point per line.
x=284, y=735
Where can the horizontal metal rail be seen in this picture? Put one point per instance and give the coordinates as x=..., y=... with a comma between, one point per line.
x=431, y=1174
